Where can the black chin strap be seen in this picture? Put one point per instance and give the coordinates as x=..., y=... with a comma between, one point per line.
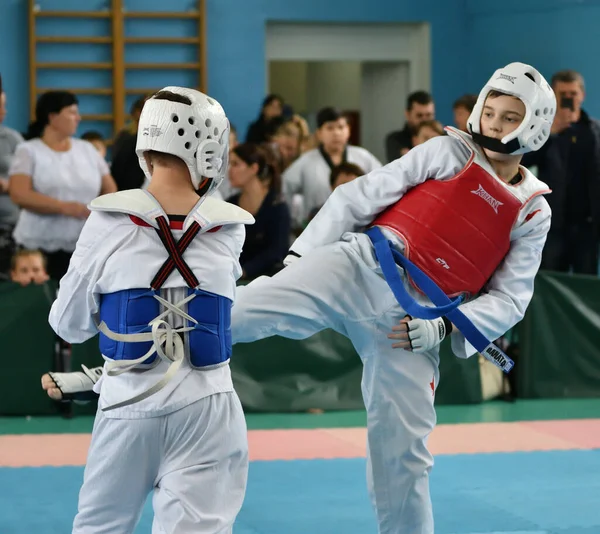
x=495, y=144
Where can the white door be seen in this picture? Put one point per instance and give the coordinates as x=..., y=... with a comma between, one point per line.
x=408, y=43
x=383, y=92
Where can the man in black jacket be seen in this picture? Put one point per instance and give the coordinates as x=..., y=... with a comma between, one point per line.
x=419, y=108
x=570, y=164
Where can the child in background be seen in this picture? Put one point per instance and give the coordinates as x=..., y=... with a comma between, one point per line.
x=344, y=173
x=28, y=266
x=341, y=174
x=97, y=140
x=427, y=130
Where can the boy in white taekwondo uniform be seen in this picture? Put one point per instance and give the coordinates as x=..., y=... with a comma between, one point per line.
x=159, y=289
x=305, y=183
x=457, y=222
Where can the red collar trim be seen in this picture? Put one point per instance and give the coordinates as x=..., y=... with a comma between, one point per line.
x=174, y=225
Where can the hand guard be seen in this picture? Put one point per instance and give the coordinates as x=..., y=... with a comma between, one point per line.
x=78, y=385
x=424, y=334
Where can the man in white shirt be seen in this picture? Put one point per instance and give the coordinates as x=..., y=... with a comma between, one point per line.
x=154, y=271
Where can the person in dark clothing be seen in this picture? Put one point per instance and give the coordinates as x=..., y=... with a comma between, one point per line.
x=254, y=171
x=570, y=164
x=419, y=108
x=272, y=107
x=462, y=109
x=131, y=128
x=125, y=167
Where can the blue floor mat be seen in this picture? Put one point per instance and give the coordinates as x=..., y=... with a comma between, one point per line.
x=516, y=493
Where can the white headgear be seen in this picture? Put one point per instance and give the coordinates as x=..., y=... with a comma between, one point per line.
x=527, y=84
x=198, y=133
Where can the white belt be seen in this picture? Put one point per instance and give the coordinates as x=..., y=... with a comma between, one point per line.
x=166, y=342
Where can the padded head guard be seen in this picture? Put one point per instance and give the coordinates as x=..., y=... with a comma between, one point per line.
x=527, y=84
x=197, y=133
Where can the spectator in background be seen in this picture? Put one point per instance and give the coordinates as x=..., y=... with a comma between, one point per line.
x=340, y=175
x=233, y=137
x=130, y=131
x=225, y=190
x=419, y=108
x=462, y=109
x=427, y=130
x=125, y=166
x=569, y=163
x=272, y=107
x=286, y=140
x=28, y=266
x=9, y=211
x=307, y=141
x=53, y=177
x=344, y=173
x=309, y=175
x=94, y=137
x=254, y=171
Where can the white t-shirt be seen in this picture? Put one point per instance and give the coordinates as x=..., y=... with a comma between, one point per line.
x=71, y=176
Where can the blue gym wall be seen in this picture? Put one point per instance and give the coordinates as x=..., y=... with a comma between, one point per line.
x=552, y=35
x=236, y=47
x=469, y=39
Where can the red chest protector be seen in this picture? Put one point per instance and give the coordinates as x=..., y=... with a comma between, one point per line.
x=458, y=230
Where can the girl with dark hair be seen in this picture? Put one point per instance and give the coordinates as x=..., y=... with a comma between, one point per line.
x=254, y=171
x=53, y=177
x=272, y=107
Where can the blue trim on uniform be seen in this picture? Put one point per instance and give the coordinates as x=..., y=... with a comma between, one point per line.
x=389, y=258
x=129, y=312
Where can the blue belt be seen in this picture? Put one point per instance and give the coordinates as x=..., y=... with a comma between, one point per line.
x=389, y=258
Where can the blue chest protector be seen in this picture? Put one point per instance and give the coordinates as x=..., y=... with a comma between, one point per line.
x=133, y=323
x=131, y=312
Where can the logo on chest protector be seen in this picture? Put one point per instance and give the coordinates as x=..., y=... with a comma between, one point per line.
x=481, y=192
x=496, y=355
x=443, y=263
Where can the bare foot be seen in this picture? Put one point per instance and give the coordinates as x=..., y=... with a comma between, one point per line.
x=50, y=386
